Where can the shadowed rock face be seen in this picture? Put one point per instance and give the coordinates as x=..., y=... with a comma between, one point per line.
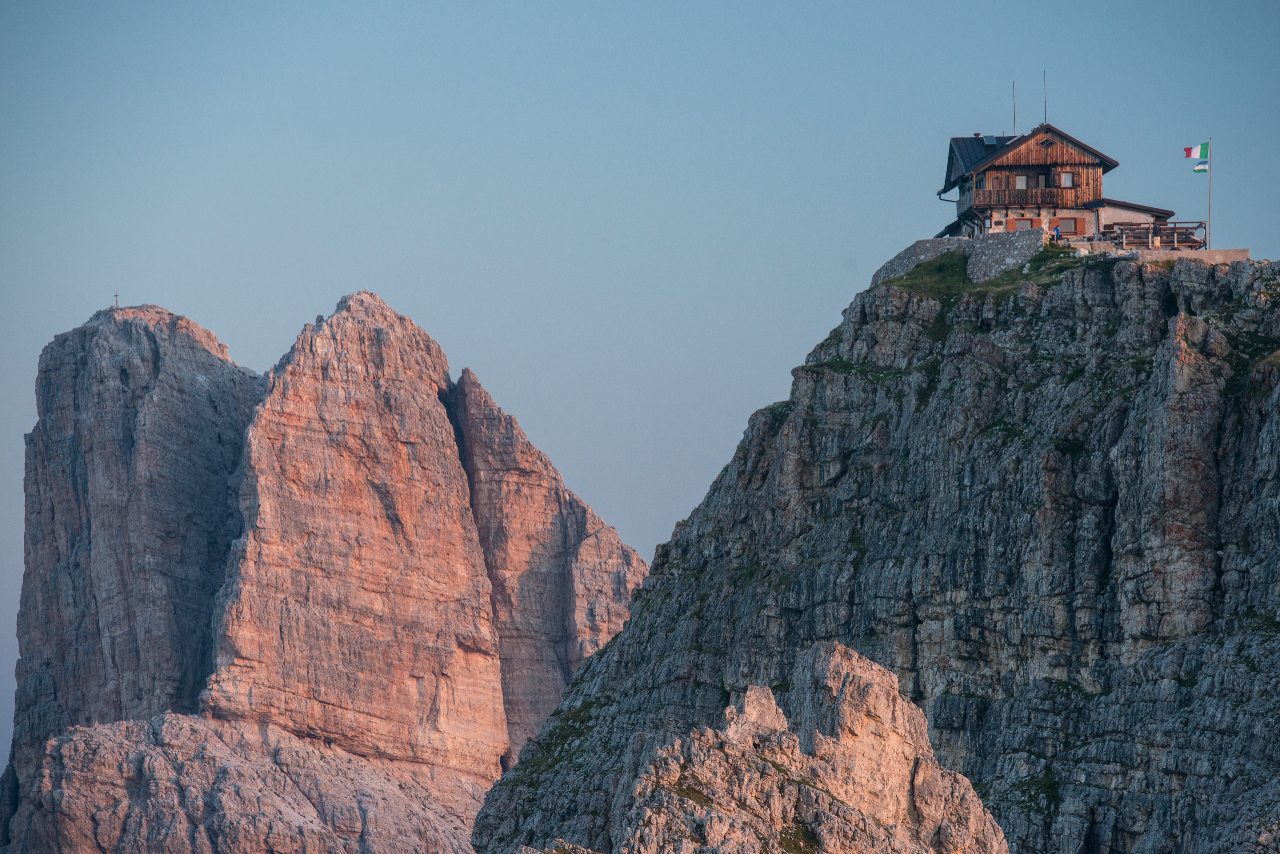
x=307, y=578
x=1048, y=504
x=130, y=512
x=561, y=577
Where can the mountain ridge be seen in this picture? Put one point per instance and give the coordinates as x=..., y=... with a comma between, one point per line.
x=328, y=638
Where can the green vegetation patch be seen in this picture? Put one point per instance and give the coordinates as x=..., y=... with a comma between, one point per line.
x=1252, y=345
x=944, y=278
x=1071, y=446
x=1248, y=349
x=1045, y=268
x=777, y=413
x=1044, y=791
x=1265, y=624
x=553, y=746
x=751, y=574
x=846, y=367
x=689, y=792
x=930, y=369
x=799, y=838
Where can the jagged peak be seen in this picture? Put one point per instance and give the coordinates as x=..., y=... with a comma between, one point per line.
x=481, y=416
x=363, y=322
x=366, y=303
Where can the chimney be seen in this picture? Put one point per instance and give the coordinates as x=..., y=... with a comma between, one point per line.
x=977, y=134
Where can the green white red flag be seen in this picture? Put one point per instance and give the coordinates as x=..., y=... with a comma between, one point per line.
x=1199, y=152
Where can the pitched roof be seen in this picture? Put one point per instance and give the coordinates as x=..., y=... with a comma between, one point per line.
x=970, y=150
x=972, y=153
x=1133, y=206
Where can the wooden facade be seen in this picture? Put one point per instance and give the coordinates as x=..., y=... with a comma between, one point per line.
x=1044, y=168
x=1044, y=179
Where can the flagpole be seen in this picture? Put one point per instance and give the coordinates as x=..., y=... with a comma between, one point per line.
x=1208, y=229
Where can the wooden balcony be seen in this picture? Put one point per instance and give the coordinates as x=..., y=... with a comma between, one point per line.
x=1047, y=197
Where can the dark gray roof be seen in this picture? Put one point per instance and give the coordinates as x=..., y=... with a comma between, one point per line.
x=972, y=150
x=1134, y=206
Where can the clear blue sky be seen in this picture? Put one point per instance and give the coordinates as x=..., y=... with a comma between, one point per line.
x=631, y=220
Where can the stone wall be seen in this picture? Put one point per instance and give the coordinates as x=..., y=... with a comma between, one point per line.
x=917, y=253
x=989, y=255
x=993, y=254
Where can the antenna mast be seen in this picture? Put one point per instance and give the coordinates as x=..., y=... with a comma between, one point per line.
x=1015, y=107
x=1044, y=84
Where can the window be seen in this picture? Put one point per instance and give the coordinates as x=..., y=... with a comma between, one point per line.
x=1042, y=181
x=1022, y=225
x=1068, y=179
x=1020, y=182
x=1067, y=226
x=981, y=183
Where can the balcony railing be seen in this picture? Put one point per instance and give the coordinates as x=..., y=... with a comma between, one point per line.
x=1049, y=197
x=1186, y=234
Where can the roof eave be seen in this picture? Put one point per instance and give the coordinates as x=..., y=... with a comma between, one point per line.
x=1108, y=163
x=947, y=183
x=1133, y=206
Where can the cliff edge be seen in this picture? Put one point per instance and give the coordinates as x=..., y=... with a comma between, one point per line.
x=1046, y=501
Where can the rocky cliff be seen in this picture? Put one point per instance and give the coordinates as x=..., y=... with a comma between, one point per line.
x=1046, y=502
x=316, y=610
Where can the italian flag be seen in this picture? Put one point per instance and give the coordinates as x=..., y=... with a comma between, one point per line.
x=1200, y=152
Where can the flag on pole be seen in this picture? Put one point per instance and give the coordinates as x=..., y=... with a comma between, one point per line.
x=1202, y=166
x=1199, y=152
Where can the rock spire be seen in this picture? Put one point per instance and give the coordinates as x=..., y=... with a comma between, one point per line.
x=272, y=612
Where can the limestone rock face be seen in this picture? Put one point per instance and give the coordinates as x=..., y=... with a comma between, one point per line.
x=852, y=771
x=273, y=611
x=561, y=577
x=359, y=611
x=1047, y=503
x=191, y=785
x=130, y=510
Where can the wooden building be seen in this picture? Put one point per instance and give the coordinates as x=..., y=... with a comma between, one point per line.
x=1047, y=179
